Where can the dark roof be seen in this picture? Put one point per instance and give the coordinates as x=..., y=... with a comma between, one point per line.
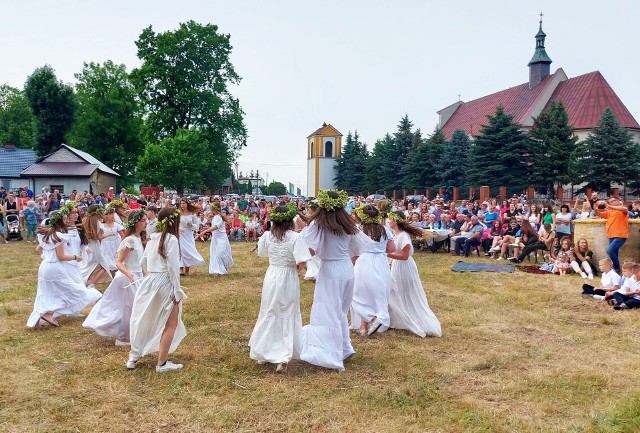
x=60, y=169
x=586, y=97
x=13, y=161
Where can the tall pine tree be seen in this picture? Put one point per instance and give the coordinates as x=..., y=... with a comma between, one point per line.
x=608, y=155
x=424, y=161
x=380, y=168
x=456, y=155
x=350, y=169
x=403, y=143
x=501, y=154
x=553, y=144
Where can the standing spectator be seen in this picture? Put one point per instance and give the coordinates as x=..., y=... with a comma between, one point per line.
x=563, y=223
x=617, y=226
x=242, y=204
x=2, y=214
x=30, y=220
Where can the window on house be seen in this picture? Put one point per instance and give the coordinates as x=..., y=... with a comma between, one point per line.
x=328, y=149
x=58, y=187
x=312, y=155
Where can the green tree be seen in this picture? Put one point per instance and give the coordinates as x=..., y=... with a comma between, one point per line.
x=351, y=165
x=53, y=104
x=404, y=141
x=501, y=154
x=184, y=81
x=108, y=122
x=456, y=154
x=178, y=162
x=275, y=188
x=379, y=166
x=424, y=162
x=608, y=155
x=17, y=122
x=553, y=144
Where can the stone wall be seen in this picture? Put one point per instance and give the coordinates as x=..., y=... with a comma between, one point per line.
x=593, y=230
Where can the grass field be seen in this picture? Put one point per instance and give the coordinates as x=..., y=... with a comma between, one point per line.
x=520, y=352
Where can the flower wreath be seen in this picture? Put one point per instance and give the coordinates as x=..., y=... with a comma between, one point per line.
x=115, y=203
x=331, y=204
x=167, y=221
x=98, y=211
x=290, y=214
x=396, y=217
x=69, y=207
x=313, y=204
x=367, y=219
x=55, y=217
x=134, y=218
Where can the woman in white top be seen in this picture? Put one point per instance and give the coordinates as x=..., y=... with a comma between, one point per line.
x=277, y=335
x=408, y=306
x=95, y=268
x=113, y=232
x=220, y=259
x=188, y=225
x=156, y=324
x=58, y=293
x=110, y=317
x=372, y=284
x=333, y=236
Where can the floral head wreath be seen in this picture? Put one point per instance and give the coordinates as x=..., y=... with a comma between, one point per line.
x=55, y=217
x=109, y=210
x=167, y=221
x=331, y=204
x=313, y=204
x=290, y=214
x=134, y=218
x=367, y=219
x=69, y=207
x=115, y=203
x=97, y=211
x=396, y=217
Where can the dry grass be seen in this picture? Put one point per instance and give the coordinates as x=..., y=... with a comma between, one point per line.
x=520, y=352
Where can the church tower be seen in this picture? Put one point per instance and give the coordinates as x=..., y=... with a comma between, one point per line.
x=324, y=145
x=540, y=64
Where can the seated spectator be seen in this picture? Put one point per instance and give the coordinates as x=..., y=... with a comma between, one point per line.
x=582, y=256
x=251, y=228
x=457, y=229
x=630, y=297
x=610, y=280
x=634, y=210
x=237, y=227
x=445, y=221
x=510, y=236
x=465, y=243
x=495, y=235
x=529, y=242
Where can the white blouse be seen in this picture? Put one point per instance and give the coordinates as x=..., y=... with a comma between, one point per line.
x=153, y=262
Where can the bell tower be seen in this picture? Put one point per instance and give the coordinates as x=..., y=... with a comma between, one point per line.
x=324, y=145
x=540, y=64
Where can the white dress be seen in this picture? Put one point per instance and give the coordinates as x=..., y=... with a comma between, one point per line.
x=313, y=267
x=372, y=284
x=73, y=247
x=155, y=298
x=277, y=336
x=326, y=340
x=110, y=317
x=58, y=292
x=94, y=260
x=110, y=244
x=220, y=259
x=190, y=255
x=408, y=306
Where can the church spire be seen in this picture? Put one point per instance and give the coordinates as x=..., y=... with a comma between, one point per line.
x=540, y=64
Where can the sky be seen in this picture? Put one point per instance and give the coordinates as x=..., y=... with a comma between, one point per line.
x=358, y=65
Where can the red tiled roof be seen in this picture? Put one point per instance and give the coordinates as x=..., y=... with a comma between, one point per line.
x=470, y=116
x=586, y=97
x=58, y=169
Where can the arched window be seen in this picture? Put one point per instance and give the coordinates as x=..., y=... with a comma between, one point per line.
x=312, y=150
x=328, y=149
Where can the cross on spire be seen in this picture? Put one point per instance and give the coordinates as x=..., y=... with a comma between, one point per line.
x=541, y=14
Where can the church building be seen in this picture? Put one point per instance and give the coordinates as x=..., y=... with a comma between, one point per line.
x=324, y=145
x=585, y=98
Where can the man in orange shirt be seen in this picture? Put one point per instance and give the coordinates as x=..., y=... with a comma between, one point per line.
x=617, y=226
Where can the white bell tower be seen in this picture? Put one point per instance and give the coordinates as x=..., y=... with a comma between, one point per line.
x=323, y=147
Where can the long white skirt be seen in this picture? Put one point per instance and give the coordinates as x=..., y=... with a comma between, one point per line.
x=151, y=309
x=94, y=260
x=408, y=306
x=189, y=253
x=220, y=259
x=58, y=293
x=110, y=251
x=111, y=316
x=326, y=341
x=277, y=336
x=371, y=290
x=313, y=267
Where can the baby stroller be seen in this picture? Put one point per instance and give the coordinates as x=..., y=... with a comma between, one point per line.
x=13, y=228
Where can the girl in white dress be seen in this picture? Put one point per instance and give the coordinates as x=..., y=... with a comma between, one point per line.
x=57, y=293
x=94, y=268
x=313, y=265
x=189, y=223
x=277, y=336
x=408, y=306
x=372, y=284
x=220, y=259
x=113, y=233
x=333, y=236
x=156, y=324
x=110, y=317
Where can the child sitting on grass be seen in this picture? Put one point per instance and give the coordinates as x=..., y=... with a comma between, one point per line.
x=561, y=264
x=629, y=294
x=610, y=280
